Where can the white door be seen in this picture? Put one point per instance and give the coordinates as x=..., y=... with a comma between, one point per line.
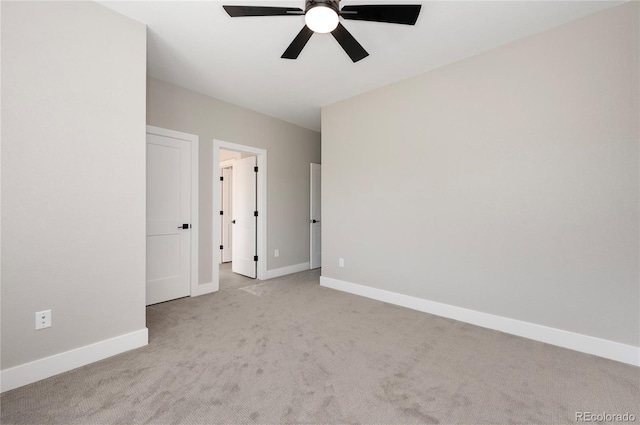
x=168, y=209
x=315, y=250
x=244, y=220
x=226, y=216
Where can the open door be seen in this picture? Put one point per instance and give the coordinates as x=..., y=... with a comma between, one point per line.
x=315, y=250
x=244, y=221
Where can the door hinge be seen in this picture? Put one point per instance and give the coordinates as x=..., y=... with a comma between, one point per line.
x=255, y=169
x=221, y=213
x=221, y=178
x=255, y=213
x=221, y=247
x=255, y=258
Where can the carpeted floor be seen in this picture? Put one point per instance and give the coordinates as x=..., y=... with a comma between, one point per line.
x=230, y=280
x=290, y=351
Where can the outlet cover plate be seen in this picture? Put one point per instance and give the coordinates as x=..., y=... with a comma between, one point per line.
x=43, y=319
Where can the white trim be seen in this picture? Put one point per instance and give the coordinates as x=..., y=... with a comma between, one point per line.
x=204, y=288
x=195, y=195
x=282, y=271
x=261, y=157
x=58, y=363
x=573, y=341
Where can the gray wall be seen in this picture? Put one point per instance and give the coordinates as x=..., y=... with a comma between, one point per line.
x=505, y=183
x=290, y=150
x=73, y=176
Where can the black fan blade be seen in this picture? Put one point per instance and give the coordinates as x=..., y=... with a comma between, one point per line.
x=236, y=11
x=348, y=43
x=298, y=43
x=406, y=14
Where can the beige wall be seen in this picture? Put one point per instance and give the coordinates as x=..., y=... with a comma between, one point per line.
x=73, y=176
x=505, y=183
x=290, y=150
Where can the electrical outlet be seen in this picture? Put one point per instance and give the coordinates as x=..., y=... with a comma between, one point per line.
x=340, y=262
x=276, y=253
x=43, y=319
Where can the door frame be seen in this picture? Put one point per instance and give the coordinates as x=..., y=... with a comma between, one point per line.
x=261, y=234
x=195, y=145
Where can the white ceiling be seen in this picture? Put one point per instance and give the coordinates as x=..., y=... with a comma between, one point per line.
x=196, y=45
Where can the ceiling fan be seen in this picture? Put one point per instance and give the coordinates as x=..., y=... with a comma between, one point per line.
x=322, y=16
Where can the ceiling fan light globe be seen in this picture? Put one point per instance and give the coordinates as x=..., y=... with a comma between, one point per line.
x=321, y=19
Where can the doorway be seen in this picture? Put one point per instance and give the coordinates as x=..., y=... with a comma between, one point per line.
x=248, y=257
x=226, y=210
x=238, y=213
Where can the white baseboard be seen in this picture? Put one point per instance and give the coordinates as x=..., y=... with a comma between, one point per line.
x=204, y=288
x=282, y=271
x=49, y=366
x=573, y=341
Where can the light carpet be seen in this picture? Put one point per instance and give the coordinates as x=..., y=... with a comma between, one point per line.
x=301, y=353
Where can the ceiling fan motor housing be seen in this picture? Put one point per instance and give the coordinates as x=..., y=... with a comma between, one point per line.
x=333, y=4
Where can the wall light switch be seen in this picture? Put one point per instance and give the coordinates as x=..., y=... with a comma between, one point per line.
x=43, y=319
x=276, y=253
x=341, y=262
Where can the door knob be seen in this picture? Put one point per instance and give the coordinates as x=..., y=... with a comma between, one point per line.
x=233, y=222
x=315, y=221
x=184, y=226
